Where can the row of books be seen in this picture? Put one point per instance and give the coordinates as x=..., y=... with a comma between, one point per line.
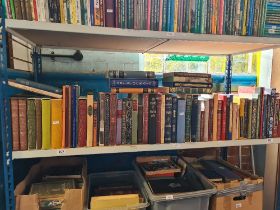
x=232, y=17
x=149, y=118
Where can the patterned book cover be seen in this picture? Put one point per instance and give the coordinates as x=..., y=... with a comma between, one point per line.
x=254, y=118
x=113, y=118
x=31, y=124
x=181, y=120
x=261, y=112
x=15, y=123
x=145, y=117
x=97, y=13
x=95, y=123
x=22, y=110
x=194, y=118
x=152, y=117
x=158, y=119
x=275, y=118
x=73, y=12
x=123, y=129
x=89, y=111
x=162, y=109
x=168, y=119
x=82, y=122
x=271, y=115
x=119, y=122
x=188, y=90
x=128, y=123
x=246, y=120
x=140, y=119
x=188, y=118
x=101, y=118
x=107, y=119
x=38, y=111
x=134, y=117
x=174, y=119
x=56, y=123
x=46, y=124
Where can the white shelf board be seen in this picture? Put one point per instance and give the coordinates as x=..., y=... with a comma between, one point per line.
x=138, y=148
x=57, y=35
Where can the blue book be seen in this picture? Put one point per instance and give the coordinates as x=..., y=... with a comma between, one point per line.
x=75, y=91
x=133, y=83
x=171, y=23
x=168, y=18
x=181, y=120
x=251, y=18
x=92, y=12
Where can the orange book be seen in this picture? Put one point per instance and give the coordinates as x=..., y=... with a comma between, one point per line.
x=63, y=116
x=90, y=111
x=56, y=123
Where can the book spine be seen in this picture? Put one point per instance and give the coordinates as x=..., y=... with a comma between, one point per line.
x=128, y=117
x=162, y=110
x=188, y=118
x=219, y=119
x=119, y=122
x=174, y=119
x=28, y=9
x=95, y=123
x=34, y=9
x=18, y=10
x=15, y=124
x=102, y=12
x=56, y=123
x=101, y=119
x=133, y=83
x=82, y=123
x=152, y=118
x=46, y=124
x=168, y=119
x=110, y=13
x=123, y=130
x=148, y=15
x=89, y=112
x=186, y=74
x=275, y=119
x=134, y=118
x=224, y=119
x=264, y=117
x=38, y=112
x=97, y=13
x=113, y=120
x=193, y=80
x=250, y=109
x=246, y=120
x=229, y=118
x=189, y=85
x=22, y=110
x=221, y=17
x=254, y=118
x=181, y=117
x=158, y=119
x=201, y=123
x=271, y=115
x=145, y=117
x=23, y=9
x=140, y=119
x=107, y=119
x=194, y=118
x=261, y=110
x=210, y=121
x=215, y=117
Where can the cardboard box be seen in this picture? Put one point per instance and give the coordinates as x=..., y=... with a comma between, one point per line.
x=74, y=199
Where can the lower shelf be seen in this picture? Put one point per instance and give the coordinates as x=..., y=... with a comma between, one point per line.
x=139, y=148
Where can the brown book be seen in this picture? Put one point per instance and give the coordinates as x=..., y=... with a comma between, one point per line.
x=15, y=123
x=10, y=51
x=18, y=9
x=210, y=120
x=109, y=13
x=235, y=122
x=95, y=123
x=22, y=110
x=23, y=9
x=38, y=110
x=158, y=119
x=82, y=122
x=219, y=120
x=28, y=9
x=215, y=116
x=145, y=117
x=31, y=123
x=113, y=118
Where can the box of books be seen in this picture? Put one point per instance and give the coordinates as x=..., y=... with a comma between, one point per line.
x=170, y=188
x=236, y=189
x=116, y=190
x=54, y=183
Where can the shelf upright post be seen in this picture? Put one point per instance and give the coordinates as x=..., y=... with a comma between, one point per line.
x=5, y=121
x=228, y=74
x=37, y=62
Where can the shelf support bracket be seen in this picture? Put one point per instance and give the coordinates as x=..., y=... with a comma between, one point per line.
x=153, y=47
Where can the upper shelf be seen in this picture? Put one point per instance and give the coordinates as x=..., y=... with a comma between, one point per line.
x=57, y=35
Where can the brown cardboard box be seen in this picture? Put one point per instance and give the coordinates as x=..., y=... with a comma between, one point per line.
x=74, y=199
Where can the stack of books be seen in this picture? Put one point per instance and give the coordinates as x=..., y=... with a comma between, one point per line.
x=132, y=81
x=195, y=16
x=272, y=19
x=192, y=83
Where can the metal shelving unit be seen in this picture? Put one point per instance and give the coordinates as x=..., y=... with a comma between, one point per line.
x=41, y=34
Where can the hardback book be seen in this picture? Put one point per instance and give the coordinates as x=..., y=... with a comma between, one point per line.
x=194, y=118
x=109, y=13
x=200, y=80
x=186, y=74
x=264, y=118
x=152, y=118
x=95, y=123
x=174, y=119
x=249, y=118
x=56, y=123
x=181, y=117
x=254, y=118
x=15, y=123
x=206, y=120
x=229, y=117
x=188, y=85
x=223, y=98
x=128, y=123
x=131, y=74
x=22, y=110
x=140, y=119
x=75, y=94
x=67, y=116
x=145, y=118
x=82, y=122
x=246, y=118
x=210, y=120
x=133, y=83
x=89, y=123
x=190, y=90
x=107, y=119
x=46, y=123
x=113, y=118
x=168, y=119
x=241, y=117
x=18, y=12
x=219, y=119
x=200, y=117
x=137, y=90
x=123, y=127
x=38, y=112
x=260, y=112
x=119, y=122
x=134, y=118
x=162, y=109
x=158, y=119
x=188, y=118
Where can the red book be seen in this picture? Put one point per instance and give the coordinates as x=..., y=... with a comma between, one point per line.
x=149, y=15
x=15, y=124
x=22, y=110
x=221, y=17
x=160, y=14
x=82, y=123
x=109, y=13
x=158, y=127
x=219, y=120
x=145, y=117
x=35, y=10
x=119, y=122
x=202, y=118
x=113, y=118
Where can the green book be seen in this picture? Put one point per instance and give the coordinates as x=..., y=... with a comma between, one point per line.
x=13, y=9
x=31, y=124
x=46, y=124
x=134, y=117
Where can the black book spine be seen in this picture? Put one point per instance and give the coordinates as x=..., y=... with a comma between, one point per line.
x=245, y=128
x=107, y=120
x=194, y=118
x=128, y=121
x=152, y=118
x=271, y=116
x=168, y=119
x=174, y=119
x=264, y=120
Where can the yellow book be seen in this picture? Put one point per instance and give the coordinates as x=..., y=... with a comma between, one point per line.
x=46, y=124
x=90, y=120
x=62, y=14
x=114, y=201
x=176, y=16
x=73, y=12
x=56, y=123
x=244, y=26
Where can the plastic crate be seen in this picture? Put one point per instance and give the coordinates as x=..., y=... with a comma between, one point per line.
x=98, y=179
x=197, y=200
